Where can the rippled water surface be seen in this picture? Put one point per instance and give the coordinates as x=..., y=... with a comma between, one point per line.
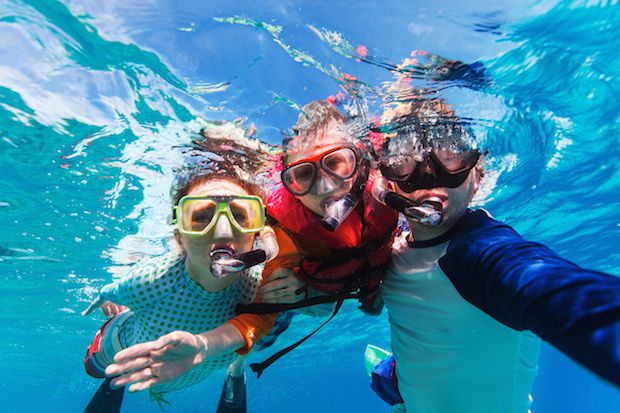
x=97, y=97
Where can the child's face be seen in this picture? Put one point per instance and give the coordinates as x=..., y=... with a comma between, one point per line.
x=454, y=202
x=223, y=235
x=325, y=187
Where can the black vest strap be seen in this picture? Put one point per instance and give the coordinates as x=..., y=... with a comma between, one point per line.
x=258, y=368
x=265, y=308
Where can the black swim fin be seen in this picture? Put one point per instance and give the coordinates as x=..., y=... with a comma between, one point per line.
x=106, y=400
x=232, y=399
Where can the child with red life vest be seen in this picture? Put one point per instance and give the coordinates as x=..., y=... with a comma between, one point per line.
x=334, y=236
x=331, y=231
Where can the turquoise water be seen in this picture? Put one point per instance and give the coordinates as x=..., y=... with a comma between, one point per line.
x=95, y=100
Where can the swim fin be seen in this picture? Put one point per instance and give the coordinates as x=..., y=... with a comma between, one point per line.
x=232, y=399
x=106, y=400
x=373, y=356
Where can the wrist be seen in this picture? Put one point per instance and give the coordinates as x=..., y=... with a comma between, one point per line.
x=202, y=347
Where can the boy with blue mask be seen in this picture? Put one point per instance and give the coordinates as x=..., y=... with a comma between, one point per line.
x=467, y=296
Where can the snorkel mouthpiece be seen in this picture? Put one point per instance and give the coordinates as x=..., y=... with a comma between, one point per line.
x=224, y=263
x=428, y=212
x=337, y=210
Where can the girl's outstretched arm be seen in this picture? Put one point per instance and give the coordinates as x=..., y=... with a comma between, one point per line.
x=172, y=355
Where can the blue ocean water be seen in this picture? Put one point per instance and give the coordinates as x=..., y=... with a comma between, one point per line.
x=96, y=98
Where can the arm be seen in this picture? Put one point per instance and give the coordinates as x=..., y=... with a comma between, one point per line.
x=174, y=354
x=170, y=356
x=525, y=285
x=112, y=296
x=126, y=291
x=253, y=327
x=282, y=284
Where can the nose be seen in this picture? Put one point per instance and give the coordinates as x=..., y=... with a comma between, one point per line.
x=326, y=184
x=223, y=228
x=427, y=168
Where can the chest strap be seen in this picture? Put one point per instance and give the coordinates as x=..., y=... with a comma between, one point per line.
x=258, y=368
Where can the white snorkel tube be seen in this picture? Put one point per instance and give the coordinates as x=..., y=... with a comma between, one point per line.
x=428, y=212
x=223, y=264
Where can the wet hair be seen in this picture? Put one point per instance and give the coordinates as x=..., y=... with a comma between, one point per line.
x=423, y=123
x=419, y=124
x=312, y=123
x=189, y=179
x=223, y=152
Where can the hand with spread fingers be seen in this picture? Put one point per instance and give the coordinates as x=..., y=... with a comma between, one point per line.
x=147, y=364
x=283, y=286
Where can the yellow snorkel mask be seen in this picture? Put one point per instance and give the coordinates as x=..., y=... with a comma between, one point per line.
x=196, y=215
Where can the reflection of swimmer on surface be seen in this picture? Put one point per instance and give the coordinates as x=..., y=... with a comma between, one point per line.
x=217, y=215
x=465, y=297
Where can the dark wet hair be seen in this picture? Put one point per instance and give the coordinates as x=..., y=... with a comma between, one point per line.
x=428, y=122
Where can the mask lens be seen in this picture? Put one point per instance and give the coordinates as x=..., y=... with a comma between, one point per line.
x=455, y=162
x=397, y=173
x=197, y=214
x=299, y=178
x=406, y=186
x=341, y=163
x=247, y=213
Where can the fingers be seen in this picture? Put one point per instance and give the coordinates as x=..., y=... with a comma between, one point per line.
x=282, y=277
x=143, y=385
x=93, y=306
x=136, y=351
x=116, y=308
x=111, y=309
x=280, y=273
x=118, y=369
x=135, y=377
x=274, y=295
x=280, y=300
x=285, y=295
x=277, y=285
x=106, y=310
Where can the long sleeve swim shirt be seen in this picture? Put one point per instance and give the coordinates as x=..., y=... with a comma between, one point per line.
x=164, y=298
x=463, y=314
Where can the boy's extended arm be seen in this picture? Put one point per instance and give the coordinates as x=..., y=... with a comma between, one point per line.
x=527, y=286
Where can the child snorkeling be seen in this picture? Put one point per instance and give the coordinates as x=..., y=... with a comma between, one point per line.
x=217, y=214
x=466, y=295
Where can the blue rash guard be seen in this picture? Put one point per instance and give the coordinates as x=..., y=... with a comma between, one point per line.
x=526, y=286
x=462, y=310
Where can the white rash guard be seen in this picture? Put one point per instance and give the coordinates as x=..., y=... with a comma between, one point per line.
x=450, y=356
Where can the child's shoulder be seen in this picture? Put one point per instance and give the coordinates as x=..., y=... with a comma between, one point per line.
x=156, y=267
x=159, y=262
